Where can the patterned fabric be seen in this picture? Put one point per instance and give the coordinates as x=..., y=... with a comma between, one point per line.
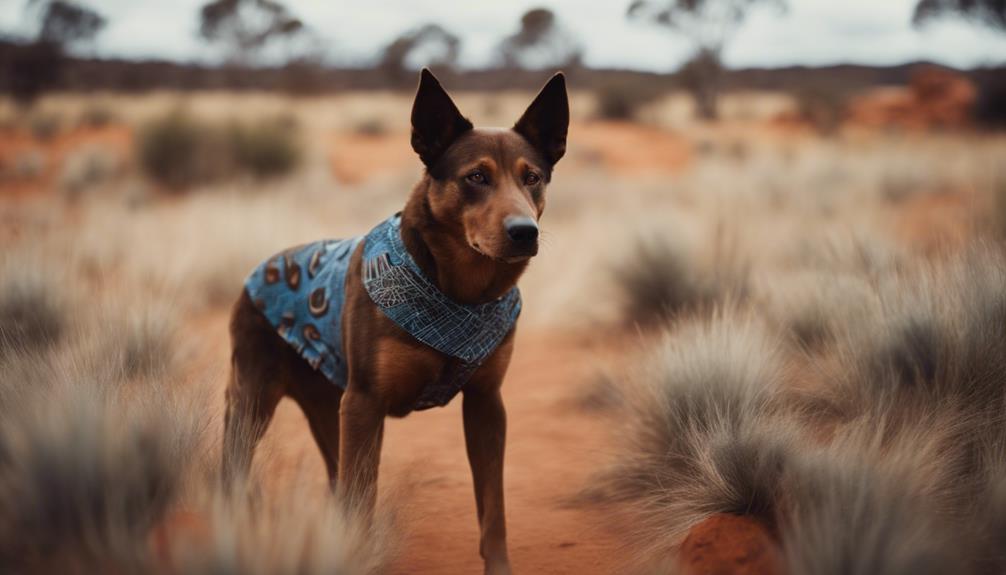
x=301, y=291
x=468, y=333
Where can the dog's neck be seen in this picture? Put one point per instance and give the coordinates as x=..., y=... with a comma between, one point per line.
x=441, y=252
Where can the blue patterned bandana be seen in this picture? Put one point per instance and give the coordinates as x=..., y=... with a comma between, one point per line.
x=301, y=292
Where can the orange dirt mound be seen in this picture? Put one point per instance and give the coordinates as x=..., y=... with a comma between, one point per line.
x=730, y=545
x=935, y=98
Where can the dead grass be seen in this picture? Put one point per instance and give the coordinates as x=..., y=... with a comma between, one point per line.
x=88, y=468
x=848, y=518
x=32, y=304
x=658, y=280
x=697, y=436
x=105, y=450
x=296, y=532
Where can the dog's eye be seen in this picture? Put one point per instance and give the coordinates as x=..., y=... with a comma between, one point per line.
x=476, y=178
x=531, y=179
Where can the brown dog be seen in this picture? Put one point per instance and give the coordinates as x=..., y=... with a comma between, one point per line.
x=471, y=226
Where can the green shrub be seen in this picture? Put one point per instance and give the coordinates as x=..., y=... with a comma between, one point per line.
x=266, y=149
x=178, y=151
x=621, y=100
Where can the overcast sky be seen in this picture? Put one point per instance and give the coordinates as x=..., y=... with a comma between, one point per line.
x=809, y=32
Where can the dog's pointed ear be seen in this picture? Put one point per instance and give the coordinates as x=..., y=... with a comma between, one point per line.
x=546, y=120
x=436, y=121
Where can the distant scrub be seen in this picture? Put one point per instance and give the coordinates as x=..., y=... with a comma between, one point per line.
x=623, y=100
x=658, y=279
x=823, y=108
x=267, y=148
x=180, y=151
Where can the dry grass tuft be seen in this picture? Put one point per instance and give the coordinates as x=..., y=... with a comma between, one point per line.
x=698, y=442
x=103, y=456
x=296, y=532
x=32, y=304
x=936, y=338
x=815, y=307
x=88, y=469
x=846, y=517
x=659, y=280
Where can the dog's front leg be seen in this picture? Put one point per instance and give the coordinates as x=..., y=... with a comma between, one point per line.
x=485, y=438
x=361, y=417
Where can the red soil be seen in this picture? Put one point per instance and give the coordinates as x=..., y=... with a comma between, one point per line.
x=354, y=158
x=17, y=146
x=730, y=545
x=552, y=448
x=628, y=148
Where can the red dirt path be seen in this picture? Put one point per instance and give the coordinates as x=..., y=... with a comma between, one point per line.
x=552, y=448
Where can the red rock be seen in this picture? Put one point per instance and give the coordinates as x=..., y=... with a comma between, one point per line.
x=730, y=545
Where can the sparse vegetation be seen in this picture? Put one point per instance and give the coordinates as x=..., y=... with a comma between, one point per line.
x=617, y=101
x=912, y=397
x=266, y=149
x=699, y=441
x=658, y=280
x=102, y=453
x=822, y=108
x=180, y=150
x=32, y=306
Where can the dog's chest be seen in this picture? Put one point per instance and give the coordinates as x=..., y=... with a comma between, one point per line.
x=440, y=343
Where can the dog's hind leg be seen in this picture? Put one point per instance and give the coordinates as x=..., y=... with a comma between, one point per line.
x=255, y=388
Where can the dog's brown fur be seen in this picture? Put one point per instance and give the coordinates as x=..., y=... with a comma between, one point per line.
x=455, y=226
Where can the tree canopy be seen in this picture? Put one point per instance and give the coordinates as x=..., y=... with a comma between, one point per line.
x=991, y=13
x=64, y=23
x=539, y=42
x=246, y=26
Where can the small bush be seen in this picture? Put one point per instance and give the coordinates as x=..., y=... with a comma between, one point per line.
x=179, y=151
x=266, y=149
x=296, y=532
x=370, y=127
x=822, y=108
x=45, y=126
x=846, y=517
x=97, y=116
x=659, y=280
x=621, y=101
x=32, y=308
x=86, y=474
x=814, y=308
x=936, y=338
x=699, y=436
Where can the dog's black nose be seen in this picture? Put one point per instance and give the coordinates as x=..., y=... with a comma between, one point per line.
x=521, y=229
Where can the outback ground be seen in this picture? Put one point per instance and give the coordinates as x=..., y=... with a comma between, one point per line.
x=761, y=212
